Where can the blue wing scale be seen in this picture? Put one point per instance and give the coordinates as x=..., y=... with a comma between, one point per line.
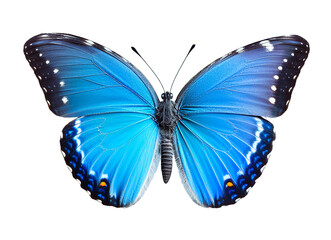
x=221, y=141
x=257, y=79
x=215, y=149
x=106, y=147
x=80, y=77
x=114, y=171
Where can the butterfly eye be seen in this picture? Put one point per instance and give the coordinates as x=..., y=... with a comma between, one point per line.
x=171, y=96
x=162, y=96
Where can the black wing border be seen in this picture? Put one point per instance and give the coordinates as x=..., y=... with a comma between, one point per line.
x=84, y=41
x=248, y=47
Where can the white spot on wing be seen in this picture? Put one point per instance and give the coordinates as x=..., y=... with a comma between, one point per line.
x=89, y=42
x=108, y=49
x=266, y=43
x=239, y=50
x=257, y=140
x=64, y=100
x=226, y=177
x=272, y=100
x=55, y=71
x=240, y=172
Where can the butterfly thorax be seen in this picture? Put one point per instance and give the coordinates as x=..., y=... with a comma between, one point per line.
x=167, y=118
x=166, y=113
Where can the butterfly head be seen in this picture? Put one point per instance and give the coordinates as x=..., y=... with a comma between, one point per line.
x=167, y=96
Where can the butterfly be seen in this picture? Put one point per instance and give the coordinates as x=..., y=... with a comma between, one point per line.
x=215, y=128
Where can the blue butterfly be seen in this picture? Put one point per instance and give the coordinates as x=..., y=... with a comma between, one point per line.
x=215, y=127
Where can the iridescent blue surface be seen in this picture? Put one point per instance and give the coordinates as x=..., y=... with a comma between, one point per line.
x=110, y=150
x=257, y=79
x=117, y=149
x=220, y=139
x=80, y=77
x=216, y=148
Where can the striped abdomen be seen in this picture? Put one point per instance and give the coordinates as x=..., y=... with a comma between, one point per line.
x=166, y=159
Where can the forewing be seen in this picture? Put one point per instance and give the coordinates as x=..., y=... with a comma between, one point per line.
x=220, y=156
x=257, y=79
x=114, y=155
x=80, y=77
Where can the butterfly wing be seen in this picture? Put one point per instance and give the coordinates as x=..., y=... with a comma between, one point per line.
x=221, y=155
x=113, y=155
x=257, y=79
x=221, y=141
x=112, y=150
x=80, y=77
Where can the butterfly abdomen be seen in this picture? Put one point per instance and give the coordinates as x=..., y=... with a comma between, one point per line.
x=166, y=159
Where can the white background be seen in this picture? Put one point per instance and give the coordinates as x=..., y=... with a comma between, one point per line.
x=40, y=199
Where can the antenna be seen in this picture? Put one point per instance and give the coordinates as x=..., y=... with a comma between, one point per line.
x=135, y=50
x=182, y=65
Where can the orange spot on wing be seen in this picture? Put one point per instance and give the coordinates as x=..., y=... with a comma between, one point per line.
x=229, y=184
x=103, y=184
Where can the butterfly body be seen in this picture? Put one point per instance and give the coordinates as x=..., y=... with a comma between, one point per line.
x=215, y=127
x=167, y=117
